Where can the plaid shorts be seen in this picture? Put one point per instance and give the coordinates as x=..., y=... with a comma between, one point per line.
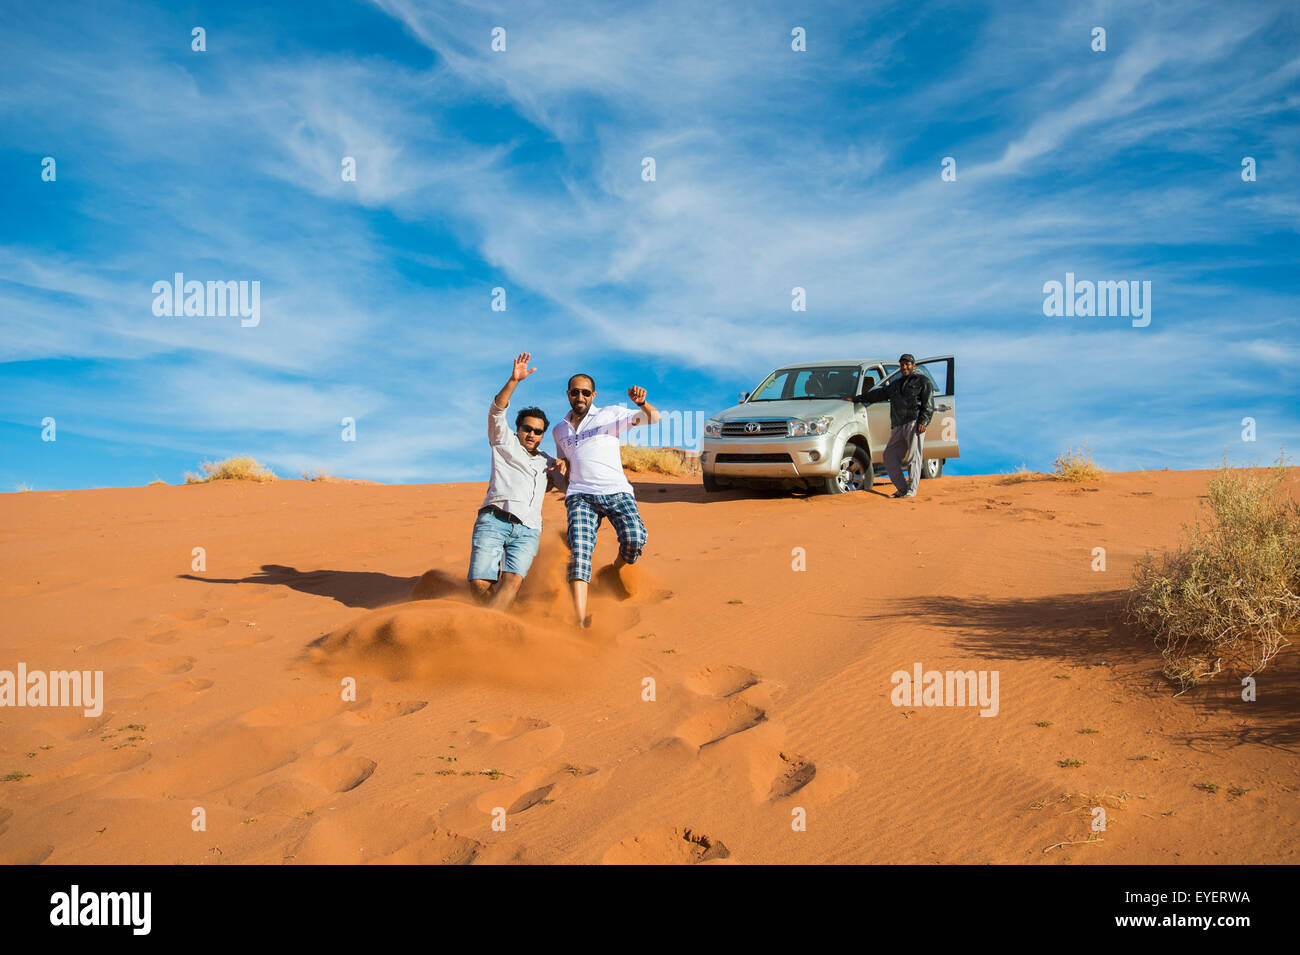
x=585, y=514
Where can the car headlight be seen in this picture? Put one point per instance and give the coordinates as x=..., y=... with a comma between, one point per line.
x=801, y=427
x=713, y=428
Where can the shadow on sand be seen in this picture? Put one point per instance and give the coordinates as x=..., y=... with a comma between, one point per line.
x=1088, y=629
x=651, y=492
x=352, y=588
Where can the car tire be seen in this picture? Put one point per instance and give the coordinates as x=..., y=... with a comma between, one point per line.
x=932, y=468
x=711, y=485
x=856, y=472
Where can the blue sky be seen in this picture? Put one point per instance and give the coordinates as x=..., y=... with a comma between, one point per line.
x=522, y=169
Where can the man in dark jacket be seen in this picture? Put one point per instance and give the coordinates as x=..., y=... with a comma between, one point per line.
x=911, y=406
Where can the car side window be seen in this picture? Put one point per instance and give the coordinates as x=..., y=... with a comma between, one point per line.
x=873, y=378
x=920, y=370
x=940, y=373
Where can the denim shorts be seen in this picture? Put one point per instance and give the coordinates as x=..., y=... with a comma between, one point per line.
x=501, y=546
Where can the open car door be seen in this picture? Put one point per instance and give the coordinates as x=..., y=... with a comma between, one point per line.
x=941, y=435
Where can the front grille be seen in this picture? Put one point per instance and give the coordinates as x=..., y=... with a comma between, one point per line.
x=766, y=429
x=752, y=459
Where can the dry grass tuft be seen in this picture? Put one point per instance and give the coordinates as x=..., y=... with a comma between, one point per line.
x=1229, y=595
x=1022, y=474
x=658, y=460
x=1077, y=465
x=231, y=469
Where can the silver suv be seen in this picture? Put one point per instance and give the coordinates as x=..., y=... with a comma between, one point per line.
x=796, y=430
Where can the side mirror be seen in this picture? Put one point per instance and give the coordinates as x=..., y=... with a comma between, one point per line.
x=744, y=396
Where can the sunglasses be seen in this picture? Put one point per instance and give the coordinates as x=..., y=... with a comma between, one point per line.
x=529, y=429
x=574, y=392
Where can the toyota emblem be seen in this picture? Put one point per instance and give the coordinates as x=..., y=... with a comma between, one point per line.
x=751, y=427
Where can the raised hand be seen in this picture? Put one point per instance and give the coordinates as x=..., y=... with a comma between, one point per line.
x=637, y=395
x=522, y=370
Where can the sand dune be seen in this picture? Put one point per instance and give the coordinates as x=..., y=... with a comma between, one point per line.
x=478, y=737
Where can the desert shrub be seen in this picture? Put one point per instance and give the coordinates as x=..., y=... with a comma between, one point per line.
x=231, y=469
x=656, y=460
x=1228, y=595
x=1077, y=465
x=1020, y=475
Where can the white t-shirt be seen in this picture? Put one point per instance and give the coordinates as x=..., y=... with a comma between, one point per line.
x=592, y=450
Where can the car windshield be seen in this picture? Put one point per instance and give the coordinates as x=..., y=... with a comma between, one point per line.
x=830, y=381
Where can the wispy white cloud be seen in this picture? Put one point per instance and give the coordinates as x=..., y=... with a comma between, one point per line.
x=775, y=170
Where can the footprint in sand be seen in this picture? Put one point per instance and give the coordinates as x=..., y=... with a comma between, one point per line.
x=121, y=647
x=516, y=740
x=742, y=702
x=381, y=712
x=231, y=755
x=180, y=622
x=105, y=763
x=667, y=846
x=244, y=643
x=75, y=726
x=719, y=720
x=776, y=773
x=350, y=836
x=722, y=680
x=793, y=774
x=529, y=799
x=330, y=746
x=301, y=711
x=525, y=792
x=336, y=774
x=494, y=731
x=33, y=856
x=289, y=797
x=170, y=665
x=440, y=847
x=172, y=695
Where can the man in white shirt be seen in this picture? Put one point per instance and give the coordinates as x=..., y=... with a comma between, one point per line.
x=587, y=440
x=509, y=524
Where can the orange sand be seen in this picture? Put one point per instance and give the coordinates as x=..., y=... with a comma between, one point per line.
x=772, y=687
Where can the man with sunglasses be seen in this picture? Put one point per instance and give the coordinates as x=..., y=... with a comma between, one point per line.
x=587, y=440
x=509, y=524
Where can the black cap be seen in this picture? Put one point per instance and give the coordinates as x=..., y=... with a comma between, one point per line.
x=906, y=356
